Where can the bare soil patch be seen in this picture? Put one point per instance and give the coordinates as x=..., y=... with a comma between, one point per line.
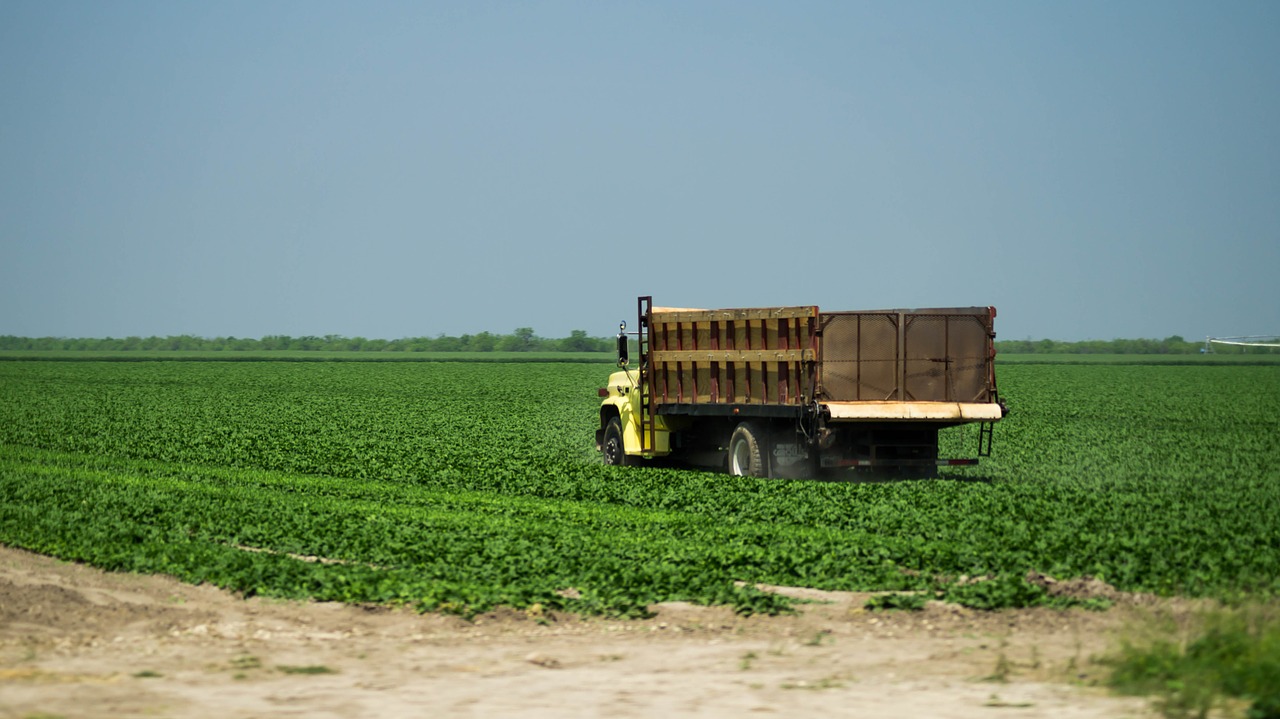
x=78, y=642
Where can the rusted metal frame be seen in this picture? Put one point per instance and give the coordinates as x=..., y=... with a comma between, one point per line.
x=817, y=386
x=813, y=367
x=768, y=375
x=795, y=369
x=993, y=394
x=772, y=381
x=755, y=370
x=695, y=387
x=798, y=369
x=673, y=377
x=679, y=366
x=769, y=369
x=702, y=368
x=731, y=368
x=809, y=369
x=784, y=367
x=986, y=430
x=762, y=367
x=795, y=390
x=671, y=338
x=715, y=366
x=760, y=376
x=688, y=371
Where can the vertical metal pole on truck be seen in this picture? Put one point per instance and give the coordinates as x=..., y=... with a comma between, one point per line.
x=986, y=430
x=648, y=434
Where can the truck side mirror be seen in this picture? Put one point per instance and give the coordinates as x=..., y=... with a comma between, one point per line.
x=623, y=356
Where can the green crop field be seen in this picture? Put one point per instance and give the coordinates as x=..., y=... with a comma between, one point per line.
x=1219, y=358
x=461, y=486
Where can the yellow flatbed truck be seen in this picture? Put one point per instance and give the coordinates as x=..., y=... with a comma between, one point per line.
x=799, y=392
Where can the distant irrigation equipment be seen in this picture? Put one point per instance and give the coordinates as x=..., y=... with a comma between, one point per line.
x=1247, y=343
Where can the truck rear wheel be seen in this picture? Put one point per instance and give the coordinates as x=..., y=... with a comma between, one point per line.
x=747, y=454
x=612, y=448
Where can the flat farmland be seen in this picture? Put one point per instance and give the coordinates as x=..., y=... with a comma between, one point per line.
x=419, y=538
x=462, y=487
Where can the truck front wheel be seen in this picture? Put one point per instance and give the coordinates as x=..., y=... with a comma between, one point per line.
x=612, y=447
x=747, y=454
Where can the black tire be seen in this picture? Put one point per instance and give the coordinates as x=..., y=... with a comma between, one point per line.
x=612, y=448
x=748, y=456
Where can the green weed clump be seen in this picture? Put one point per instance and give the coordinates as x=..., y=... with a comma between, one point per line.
x=1224, y=657
x=308, y=669
x=897, y=600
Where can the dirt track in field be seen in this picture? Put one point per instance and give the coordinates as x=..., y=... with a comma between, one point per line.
x=78, y=642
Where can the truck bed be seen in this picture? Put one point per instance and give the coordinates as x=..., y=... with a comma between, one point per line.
x=902, y=364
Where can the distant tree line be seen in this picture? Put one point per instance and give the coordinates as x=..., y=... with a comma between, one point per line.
x=1174, y=345
x=522, y=339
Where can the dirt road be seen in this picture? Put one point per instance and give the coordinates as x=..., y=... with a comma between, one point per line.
x=77, y=642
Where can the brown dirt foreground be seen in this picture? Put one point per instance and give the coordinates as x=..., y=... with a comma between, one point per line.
x=78, y=642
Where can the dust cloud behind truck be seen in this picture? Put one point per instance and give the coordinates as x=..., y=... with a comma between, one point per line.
x=798, y=392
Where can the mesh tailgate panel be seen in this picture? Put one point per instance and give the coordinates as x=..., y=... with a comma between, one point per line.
x=968, y=368
x=925, y=379
x=925, y=357
x=860, y=356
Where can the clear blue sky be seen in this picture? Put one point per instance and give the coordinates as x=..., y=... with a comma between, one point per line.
x=395, y=169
